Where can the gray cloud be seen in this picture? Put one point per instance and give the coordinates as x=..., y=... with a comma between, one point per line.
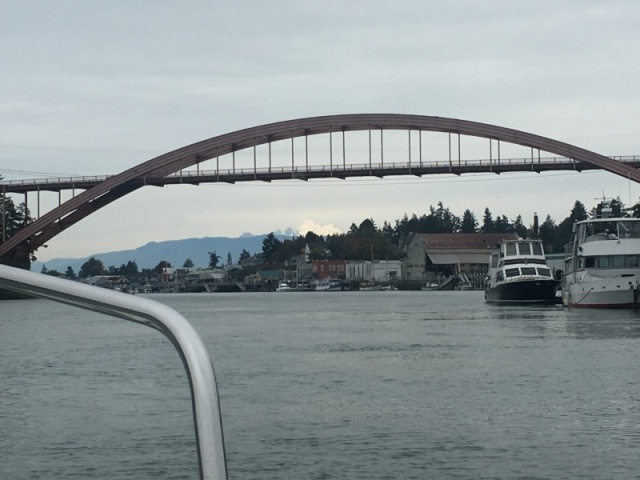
x=98, y=87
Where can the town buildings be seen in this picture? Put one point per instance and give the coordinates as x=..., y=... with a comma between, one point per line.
x=426, y=258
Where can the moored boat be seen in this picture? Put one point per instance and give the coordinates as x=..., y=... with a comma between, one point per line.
x=284, y=287
x=519, y=274
x=602, y=262
x=326, y=285
x=430, y=286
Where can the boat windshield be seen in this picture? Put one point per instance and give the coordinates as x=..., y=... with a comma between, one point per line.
x=544, y=272
x=524, y=248
x=512, y=272
x=537, y=248
x=629, y=229
x=602, y=229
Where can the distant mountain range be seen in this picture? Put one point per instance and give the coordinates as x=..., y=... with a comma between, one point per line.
x=173, y=251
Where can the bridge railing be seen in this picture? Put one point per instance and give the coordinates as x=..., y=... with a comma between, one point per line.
x=378, y=166
x=54, y=181
x=42, y=183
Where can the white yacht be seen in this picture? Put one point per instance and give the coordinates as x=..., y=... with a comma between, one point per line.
x=602, y=262
x=519, y=274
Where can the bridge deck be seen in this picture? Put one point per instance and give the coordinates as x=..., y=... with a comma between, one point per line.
x=342, y=171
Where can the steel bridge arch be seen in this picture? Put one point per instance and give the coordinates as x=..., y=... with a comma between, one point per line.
x=34, y=235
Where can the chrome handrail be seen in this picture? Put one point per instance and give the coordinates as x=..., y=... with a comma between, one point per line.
x=204, y=392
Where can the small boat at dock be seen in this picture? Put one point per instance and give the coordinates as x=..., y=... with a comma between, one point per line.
x=430, y=286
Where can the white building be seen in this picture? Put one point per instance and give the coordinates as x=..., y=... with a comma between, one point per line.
x=380, y=271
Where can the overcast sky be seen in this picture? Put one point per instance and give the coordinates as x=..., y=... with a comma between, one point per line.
x=98, y=87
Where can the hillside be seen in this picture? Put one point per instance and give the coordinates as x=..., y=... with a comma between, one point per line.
x=173, y=251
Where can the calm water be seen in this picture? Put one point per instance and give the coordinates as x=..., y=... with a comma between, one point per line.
x=354, y=385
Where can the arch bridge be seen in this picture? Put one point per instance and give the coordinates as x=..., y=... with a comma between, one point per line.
x=173, y=167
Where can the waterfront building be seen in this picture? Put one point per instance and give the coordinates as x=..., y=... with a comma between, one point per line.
x=335, y=269
x=432, y=257
x=380, y=271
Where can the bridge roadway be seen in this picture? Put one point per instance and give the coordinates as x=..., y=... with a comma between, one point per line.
x=341, y=171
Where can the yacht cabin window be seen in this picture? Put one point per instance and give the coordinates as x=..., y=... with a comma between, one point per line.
x=528, y=271
x=612, y=261
x=544, y=272
x=617, y=261
x=511, y=249
x=629, y=229
x=537, y=248
x=512, y=272
x=524, y=248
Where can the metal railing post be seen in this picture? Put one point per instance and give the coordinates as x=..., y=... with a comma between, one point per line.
x=192, y=350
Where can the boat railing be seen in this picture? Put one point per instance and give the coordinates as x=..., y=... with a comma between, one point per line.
x=185, y=339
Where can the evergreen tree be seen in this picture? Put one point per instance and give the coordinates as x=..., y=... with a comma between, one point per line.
x=312, y=238
x=366, y=229
x=287, y=252
x=91, y=268
x=15, y=217
x=245, y=258
x=130, y=270
x=269, y=246
x=562, y=233
x=519, y=227
x=214, y=258
x=547, y=231
x=188, y=263
x=445, y=221
x=161, y=266
x=618, y=209
x=469, y=224
x=388, y=232
x=502, y=225
x=487, y=222
x=70, y=274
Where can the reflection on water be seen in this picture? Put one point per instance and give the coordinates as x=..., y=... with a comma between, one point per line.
x=358, y=385
x=603, y=324
x=577, y=323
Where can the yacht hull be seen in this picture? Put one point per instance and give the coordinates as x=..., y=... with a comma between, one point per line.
x=526, y=292
x=605, y=293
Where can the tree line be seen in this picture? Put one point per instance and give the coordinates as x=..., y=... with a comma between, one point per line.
x=365, y=241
